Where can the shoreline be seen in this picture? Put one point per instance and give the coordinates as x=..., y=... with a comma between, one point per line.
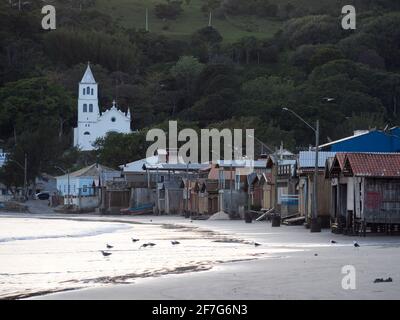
x=131, y=278
x=310, y=269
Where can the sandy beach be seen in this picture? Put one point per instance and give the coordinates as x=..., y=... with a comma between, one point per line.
x=214, y=260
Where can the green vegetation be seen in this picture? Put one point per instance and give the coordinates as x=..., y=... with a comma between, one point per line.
x=237, y=73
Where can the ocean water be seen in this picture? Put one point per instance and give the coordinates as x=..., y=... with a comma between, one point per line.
x=38, y=256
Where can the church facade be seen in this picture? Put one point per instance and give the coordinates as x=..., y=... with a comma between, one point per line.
x=91, y=123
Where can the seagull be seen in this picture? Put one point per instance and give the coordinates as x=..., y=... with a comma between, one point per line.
x=135, y=240
x=109, y=246
x=106, y=254
x=175, y=242
x=150, y=244
x=256, y=244
x=333, y=242
x=356, y=245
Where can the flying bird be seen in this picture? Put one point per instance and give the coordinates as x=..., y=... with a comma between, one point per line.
x=175, y=242
x=356, y=245
x=109, y=246
x=106, y=254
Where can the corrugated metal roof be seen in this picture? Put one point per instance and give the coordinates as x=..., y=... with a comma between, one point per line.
x=95, y=170
x=243, y=163
x=307, y=158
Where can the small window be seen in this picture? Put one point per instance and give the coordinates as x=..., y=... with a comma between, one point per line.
x=84, y=91
x=87, y=133
x=90, y=107
x=113, y=119
x=88, y=90
x=85, y=107
x=92, y=91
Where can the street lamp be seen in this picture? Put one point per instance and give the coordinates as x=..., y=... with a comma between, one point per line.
x=263, y=145
x=67, y=173
x=315, y=226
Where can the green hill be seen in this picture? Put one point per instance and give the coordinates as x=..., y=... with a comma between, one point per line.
x=131, y=14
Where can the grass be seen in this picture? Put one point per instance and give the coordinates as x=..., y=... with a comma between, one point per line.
x=131, y=14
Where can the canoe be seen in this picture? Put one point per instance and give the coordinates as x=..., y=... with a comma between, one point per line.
x=143, y=209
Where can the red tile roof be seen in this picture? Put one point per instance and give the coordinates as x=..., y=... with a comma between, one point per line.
x=372, y=164
x=340, y=157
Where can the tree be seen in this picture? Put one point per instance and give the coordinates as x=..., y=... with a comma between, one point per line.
x=29, y=104
x=170, y=10
x=205, y=43
x=118, y=149
x=186, y=73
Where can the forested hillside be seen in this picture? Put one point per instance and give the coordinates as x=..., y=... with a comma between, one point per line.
x=256, y=57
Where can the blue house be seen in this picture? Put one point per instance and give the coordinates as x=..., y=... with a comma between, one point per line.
x=84, y=181
x=367, y=141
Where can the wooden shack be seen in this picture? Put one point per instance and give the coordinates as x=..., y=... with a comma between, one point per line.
x=365, y=192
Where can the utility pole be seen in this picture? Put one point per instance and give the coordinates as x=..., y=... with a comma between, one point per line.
x=231, y=190
x=66, y=172
x=147, y=20
x=187, y=189
x=25, y=168
x=315, y=226
x=26, y=176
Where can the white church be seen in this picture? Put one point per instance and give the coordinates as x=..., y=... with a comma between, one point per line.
x=91, y=123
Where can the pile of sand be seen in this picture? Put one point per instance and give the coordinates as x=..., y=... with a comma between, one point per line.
x=221, y=215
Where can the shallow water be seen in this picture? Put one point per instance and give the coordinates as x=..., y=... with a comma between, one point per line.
x=45, y=255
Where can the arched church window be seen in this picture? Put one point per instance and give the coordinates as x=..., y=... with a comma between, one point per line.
x=88, y=90
x=90, y=107
x=85, y=107
x=84, y=91
x=92, y=91
x=87, y=133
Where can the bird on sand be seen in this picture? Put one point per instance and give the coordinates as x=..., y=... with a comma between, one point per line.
x=175, y=242
x=135, y=240
x=106, y=254
x=356, y=245
x=256, y=244
x=333, y=241
x=149, y=244
x=109, y=246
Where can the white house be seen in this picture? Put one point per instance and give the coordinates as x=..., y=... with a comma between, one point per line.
x=91, y=123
